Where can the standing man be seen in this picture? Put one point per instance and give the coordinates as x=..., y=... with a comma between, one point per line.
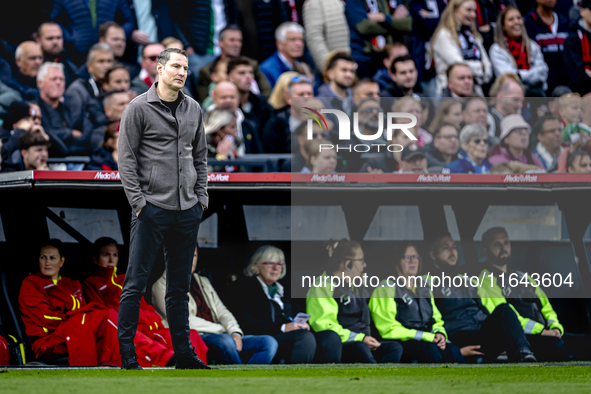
x=163, y=168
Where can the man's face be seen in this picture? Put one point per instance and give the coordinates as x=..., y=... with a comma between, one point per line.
x=343, y=73
x=499, y=250
x=476, y=113
x=118, y=80
x=231, y=45
x=406, y=74
x=101, y=62
x=150, y=60
x=174, y=73
x=299, y=90
x=35, y=158
x=551, y=135
x=116, y=105
x=53, y=85
x=108, y=257
x=293, y=47
x=446, y=253
x=447, y=140
x=511, y=101
x=416, y=165
x=369, y=116
x=582, y=165
x=226, y=96
x=242, y=76
x=115, y=37
x=30, y=60
x=461, y=82
x=51, y=40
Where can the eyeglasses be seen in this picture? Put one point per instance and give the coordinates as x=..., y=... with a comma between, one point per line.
x=373, y=109
x=152, y=58
x=408, y=257
x=279, y=264
x=300, y=78
x=448, y=137
x=479, y=141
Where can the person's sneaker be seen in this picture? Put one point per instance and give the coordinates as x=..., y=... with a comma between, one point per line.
x=129, y=359
x=526, y=356
x=189, y=361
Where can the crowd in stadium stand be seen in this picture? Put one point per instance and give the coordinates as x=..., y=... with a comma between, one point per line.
x=520, y=69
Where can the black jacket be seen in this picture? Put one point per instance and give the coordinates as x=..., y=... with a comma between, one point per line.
x=573, y=59
x=277, y=134
x=102, y=160
x=260, y=113
x=385, y=162
x=414, y=310
x=434, y=157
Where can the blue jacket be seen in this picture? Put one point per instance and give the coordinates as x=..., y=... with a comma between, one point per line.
x=74, y=17
x=273, y=67
x=462, y=165
x=26, y=86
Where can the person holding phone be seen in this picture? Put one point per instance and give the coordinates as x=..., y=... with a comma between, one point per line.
x=262, y=307
x=344, y=311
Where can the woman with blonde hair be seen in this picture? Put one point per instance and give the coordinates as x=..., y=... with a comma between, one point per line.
x=277, y=98
x=457, y=40
x=514, y=52
x=221, y=132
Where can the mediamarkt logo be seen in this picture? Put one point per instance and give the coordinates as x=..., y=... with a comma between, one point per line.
x=108, y=176
x=520, y=178
x=439, y=178
x=345, y=130
x=328, y=178
x=218, y=178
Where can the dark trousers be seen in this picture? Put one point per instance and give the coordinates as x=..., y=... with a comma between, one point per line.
x=359, y=352
x=501, y=331
x=570, y=346
x=295, y=347
x=429, y=352
x=177, y=232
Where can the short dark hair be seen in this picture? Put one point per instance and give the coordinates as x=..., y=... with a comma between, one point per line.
x=116, y=66
x=539, y=126
x=445, y=124
x=468, y=100
x=572, y=157
x=164, y=56
x=346, y=56
x=400, y=59
x=104, y=28
x=28, y=139
x=489, y=234
x=102, y=242
x=454, y=65
x=54, y=243
x=228, y=28
x=238, y=61
x=435, y=243
x=48, y=23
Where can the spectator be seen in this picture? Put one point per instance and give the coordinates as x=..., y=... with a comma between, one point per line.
x=538, y=319
x=278, y=96
x=153, y=21
x=413, y=161
x=300, y=156
x=264, y=308
x=112, y=34
x=460, y=82
x=51, y=39
x=425, y=18
x=409, y=316
x=365, y=88
x=29, y=58
x=371, y=117
x=579, y=162
x=106, y=156
x=475, y=111
x=84, y=92
x=117, y=78
x=570, y=110
x=148, y=73
x=509, y=93
x=53, y=312
x=226, y=96
x=448, y=112
x=254, y=106
x=34, y=151
x=104, y=288
x=344, y=309
x=339, y=76
x=501, y=169
x=223, y=141
x=321, y=161
x=290, y=47
x=219, y=72
x=114, y=104
x=73, y=128
x=215, y=323
x=8, y=96
x=388, y=161
x=278, y=131
x=472, y=158
x=467, y=321
x=392, y=51
x=403, y=72
x=326, y=28
x=514, y=143
x=80, y=22
x=444, y=148
x=456, y=40
x=373, y=25
x=413, y=106
x=231, y=45
x=549, y=146
x=514, y=52
x=577, y=48
x=550, y=31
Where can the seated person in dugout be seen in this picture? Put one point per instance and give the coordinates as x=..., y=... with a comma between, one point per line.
x=409, y=315
x=215, y=323
x=478, y=333
x=344, y=309
x=58, y=321
x=261, y=306
x=152, y=342
x=540, y=323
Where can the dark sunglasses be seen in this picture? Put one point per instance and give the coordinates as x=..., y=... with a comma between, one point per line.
x=152, y=58
x=479, y=141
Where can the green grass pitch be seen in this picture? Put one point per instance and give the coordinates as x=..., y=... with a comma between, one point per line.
x=358, y=379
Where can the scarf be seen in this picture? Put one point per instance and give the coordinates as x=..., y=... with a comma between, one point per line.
x=468, y=44
x=518, y=52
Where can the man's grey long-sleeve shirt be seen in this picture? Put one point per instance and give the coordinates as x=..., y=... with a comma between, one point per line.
x=163, y=159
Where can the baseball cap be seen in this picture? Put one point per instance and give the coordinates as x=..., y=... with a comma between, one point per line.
x=512, y=122
x=17, y=111
x=410, y=152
